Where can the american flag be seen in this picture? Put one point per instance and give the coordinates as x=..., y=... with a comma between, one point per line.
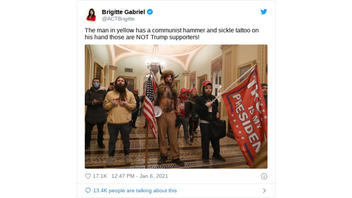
x=148, y=110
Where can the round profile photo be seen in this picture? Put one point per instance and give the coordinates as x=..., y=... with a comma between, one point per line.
x=91, y=15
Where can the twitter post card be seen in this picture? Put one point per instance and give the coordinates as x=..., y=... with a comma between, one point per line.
x=176, y=99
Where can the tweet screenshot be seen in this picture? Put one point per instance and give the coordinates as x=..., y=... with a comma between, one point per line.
x=176, y=99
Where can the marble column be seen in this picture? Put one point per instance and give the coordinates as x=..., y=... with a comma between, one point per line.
x=186, y=79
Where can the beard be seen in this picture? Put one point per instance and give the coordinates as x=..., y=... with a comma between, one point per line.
x=122, y=90
x=207, y=95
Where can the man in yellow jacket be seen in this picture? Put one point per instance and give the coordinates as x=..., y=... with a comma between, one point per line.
x=119, y=103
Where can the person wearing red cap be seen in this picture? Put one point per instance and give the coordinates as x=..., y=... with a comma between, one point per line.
x=181, y=113
x=208, y=112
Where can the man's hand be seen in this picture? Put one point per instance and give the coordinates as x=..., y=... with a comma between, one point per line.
x=208, y=104
x=123, y=103
x=95, y=101
x=115, y=102
x=217, y=115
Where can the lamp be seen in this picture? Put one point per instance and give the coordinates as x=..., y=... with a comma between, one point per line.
x=154, y=64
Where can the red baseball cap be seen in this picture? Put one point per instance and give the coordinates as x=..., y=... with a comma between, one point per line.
x=184, y=90
x=206, y=82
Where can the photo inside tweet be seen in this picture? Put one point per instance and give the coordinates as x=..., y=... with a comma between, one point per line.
x=175, y=100
x=147, y=106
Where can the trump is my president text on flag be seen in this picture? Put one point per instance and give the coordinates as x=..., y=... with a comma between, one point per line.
x=247, y=114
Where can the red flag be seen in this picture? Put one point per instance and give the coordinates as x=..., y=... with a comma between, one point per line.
x=148, y=109
x=247, y=113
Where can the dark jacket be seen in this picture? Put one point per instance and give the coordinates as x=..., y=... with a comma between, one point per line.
x=136, y=97
x=202, y=110
x=191, y=106
x=95, y=112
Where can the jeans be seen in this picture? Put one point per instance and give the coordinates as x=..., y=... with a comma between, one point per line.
x=114, y=130
x=193, y=125
x=184, y=122
x=134, y=118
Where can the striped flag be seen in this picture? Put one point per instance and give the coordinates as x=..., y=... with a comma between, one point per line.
x=148, y=110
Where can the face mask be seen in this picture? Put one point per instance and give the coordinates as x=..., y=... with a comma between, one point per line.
x=96, y=84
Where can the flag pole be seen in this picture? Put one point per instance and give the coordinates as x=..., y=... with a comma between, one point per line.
x=146, y=141
x=146, y=147
x=228, y=87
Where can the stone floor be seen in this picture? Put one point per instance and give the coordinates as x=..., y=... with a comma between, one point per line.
x=190, y=154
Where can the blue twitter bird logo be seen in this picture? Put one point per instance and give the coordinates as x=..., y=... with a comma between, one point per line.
x=263, y=11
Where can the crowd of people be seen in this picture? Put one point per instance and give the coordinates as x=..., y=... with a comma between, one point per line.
x=120, y=108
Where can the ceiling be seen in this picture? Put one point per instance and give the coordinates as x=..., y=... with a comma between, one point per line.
x=179, y=54
x=178, y=58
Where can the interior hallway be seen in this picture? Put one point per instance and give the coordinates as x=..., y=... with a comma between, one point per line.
x=190, y=154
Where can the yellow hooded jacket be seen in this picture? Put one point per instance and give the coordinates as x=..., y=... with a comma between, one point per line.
x=119, y=114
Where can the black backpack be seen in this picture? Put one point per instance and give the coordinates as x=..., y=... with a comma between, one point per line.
x=218, y=128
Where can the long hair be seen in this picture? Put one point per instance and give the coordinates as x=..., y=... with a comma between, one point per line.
x=121, y=90
x=93, y=13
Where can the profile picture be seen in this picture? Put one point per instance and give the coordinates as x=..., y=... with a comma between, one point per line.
x=91, y=15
